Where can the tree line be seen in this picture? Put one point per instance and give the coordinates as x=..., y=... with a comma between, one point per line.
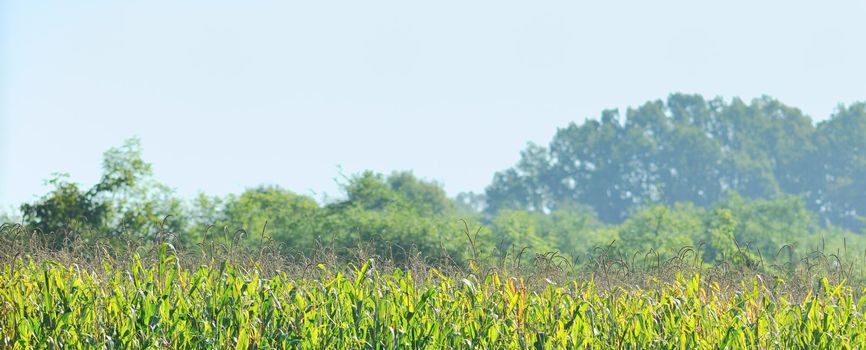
x=717, y=177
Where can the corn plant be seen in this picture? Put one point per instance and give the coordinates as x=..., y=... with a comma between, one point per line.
x=161, y=304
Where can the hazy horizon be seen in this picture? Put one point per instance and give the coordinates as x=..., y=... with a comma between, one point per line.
x=229, y=97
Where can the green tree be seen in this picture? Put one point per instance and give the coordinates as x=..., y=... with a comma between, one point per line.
x=766, y=225
x=839, y=168
x=521, y=229
x=660, y=228
x=65, y=212
x=394, y=215
x=719, y=245
x=688, y=149
x=126, y=201
x=267, y=214
x=574, y=229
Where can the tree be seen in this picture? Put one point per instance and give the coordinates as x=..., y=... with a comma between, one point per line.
x=270, y=213
x=393, y=216
x=65, y=211
x=688, y=149
x=521, y=229
x=839, y=168
x=427, y=198
x=766, y=225
x=663, y=229
x=125, y=201
x=720, y=244
x=574, y=229
x=471, y=202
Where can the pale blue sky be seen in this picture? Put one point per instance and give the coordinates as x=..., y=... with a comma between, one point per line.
x=227, y=95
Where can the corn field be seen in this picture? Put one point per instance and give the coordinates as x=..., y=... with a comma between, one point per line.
x=221, y=305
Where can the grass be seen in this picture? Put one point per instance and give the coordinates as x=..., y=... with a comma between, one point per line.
x=159, y=297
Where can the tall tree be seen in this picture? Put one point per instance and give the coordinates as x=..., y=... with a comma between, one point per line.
x=688, y=149
x=840, y=167
x=126, y=200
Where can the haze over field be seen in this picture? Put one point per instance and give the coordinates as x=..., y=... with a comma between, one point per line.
x=226, y=96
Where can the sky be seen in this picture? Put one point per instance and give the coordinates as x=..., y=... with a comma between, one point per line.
x=227, y=95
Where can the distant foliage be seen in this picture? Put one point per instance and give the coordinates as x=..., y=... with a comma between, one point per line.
x=688, y=149
x=126, y=202
x=758, y=181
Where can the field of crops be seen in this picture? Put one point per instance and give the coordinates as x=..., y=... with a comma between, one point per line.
x=162, y=303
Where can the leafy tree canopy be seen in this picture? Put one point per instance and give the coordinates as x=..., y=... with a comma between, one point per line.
x=689, y=149
x=126, y=201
